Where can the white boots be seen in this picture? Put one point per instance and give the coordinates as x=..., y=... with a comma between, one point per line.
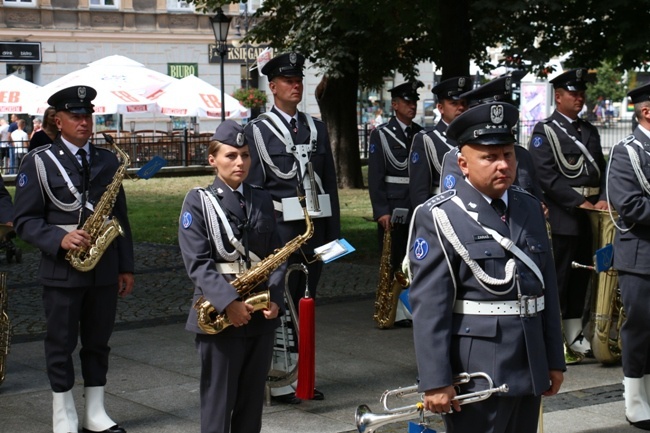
x=64, y=414
x=572, y=330
x=95, y=417
x=637, y=408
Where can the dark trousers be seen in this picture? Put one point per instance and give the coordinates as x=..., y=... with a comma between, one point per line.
x=635, y=333
x=496, y=415
x=233, y=375
x=72, y=313
x=572, y=283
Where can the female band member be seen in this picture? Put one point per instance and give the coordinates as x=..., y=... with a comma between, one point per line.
x=224, y=229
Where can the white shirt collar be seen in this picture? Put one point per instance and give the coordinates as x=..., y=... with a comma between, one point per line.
x=73, y=148
x=645, y=131
x=287, y=117
x=489, y=199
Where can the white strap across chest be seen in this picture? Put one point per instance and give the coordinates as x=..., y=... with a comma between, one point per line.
x=41, y=172
x=388, y=154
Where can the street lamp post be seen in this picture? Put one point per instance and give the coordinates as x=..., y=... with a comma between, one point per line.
x=220, y=25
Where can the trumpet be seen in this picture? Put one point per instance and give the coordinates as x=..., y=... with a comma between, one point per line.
x=368, y=422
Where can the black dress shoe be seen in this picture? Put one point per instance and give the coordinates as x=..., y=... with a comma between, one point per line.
x=318, y=395
x=115, y=429
x=643, y=425
x=286, y=398
x=406, y=323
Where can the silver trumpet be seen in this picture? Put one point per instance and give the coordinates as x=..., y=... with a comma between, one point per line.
x=368, y=422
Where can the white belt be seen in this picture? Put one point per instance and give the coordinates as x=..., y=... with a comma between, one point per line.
x=587, y=191
x=68, y=227
x=396, y=179
x=526, y=307
x=232, y=267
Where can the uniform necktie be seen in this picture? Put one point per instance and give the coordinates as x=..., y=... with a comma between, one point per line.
x=576, y=125
x=500, y=207
x=242, y=202
x=294, y=126
x=86, y=168
x=409, y=135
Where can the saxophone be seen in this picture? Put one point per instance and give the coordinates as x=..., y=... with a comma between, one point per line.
x=100, y=226
x=210, y=322
x=389, y=287
x=4, y=325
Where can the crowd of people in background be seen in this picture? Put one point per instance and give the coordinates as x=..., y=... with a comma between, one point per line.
x=16, y=138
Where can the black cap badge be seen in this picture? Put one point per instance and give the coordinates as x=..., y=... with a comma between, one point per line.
x=496, y=114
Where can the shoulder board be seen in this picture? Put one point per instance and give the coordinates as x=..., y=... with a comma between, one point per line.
x=255, y=186
x=547, y=120
x=382, y=126
x=104, y=149
x=316, y=119
x=437, y=200
x=42, y=148
x=519, y=189
x=627, y=140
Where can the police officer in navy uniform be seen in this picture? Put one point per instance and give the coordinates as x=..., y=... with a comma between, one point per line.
x=497, y=90
x=224, y=230
x=482, y=306
x=629, y=193
x=290, y=149
x=58, y=186
x=429, y=147
x=570, y=165
x=388, y=180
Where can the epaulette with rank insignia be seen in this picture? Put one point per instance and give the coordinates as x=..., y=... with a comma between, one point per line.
x=42, y=148
x=522, y=190
x=627, y=140
x=437, y=200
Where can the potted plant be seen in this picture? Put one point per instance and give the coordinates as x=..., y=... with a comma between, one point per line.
x=252, y=98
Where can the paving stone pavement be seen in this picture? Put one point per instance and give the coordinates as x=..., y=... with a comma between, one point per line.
x=154, y=375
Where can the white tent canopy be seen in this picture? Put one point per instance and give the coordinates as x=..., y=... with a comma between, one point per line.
x=15, y=93
x=121, y=85
x=193, y=97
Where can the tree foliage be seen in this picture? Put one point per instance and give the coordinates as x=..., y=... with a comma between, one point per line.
x=361, y=42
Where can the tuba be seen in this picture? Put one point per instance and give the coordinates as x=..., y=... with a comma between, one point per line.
x=607, y=313
x=100, y=226
x=211, y=322
x=5, y=327
x=368, y=422
x=389, y=287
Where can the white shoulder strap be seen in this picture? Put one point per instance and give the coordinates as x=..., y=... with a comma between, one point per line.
x=226, y=225
x=581, y=146
x=388, y=155
x=41, y=171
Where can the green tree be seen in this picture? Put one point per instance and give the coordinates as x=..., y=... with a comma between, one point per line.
x=609, y=85
x=356, y=43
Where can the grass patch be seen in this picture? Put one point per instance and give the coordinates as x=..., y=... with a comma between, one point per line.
x=155, y=204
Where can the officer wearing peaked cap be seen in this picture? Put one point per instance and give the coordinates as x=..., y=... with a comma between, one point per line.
x=58, y=187
x=76, y=100
x=628, y=192
x=568, y=157
x=497, y=90
x=429, y=147
x=388, y=177
x=284, y=142
x=482, y=278
x=226, y=228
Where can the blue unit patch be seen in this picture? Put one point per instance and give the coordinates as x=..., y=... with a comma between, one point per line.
x=22, y=180
x=372, y=148
x=420, y=248
x=186, y=220
x=537, y=141
x=415, y=157
x=450, y=181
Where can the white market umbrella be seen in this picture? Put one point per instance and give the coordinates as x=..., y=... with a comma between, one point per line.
x=192, y=97
x=15, y=94
x=121, y=85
